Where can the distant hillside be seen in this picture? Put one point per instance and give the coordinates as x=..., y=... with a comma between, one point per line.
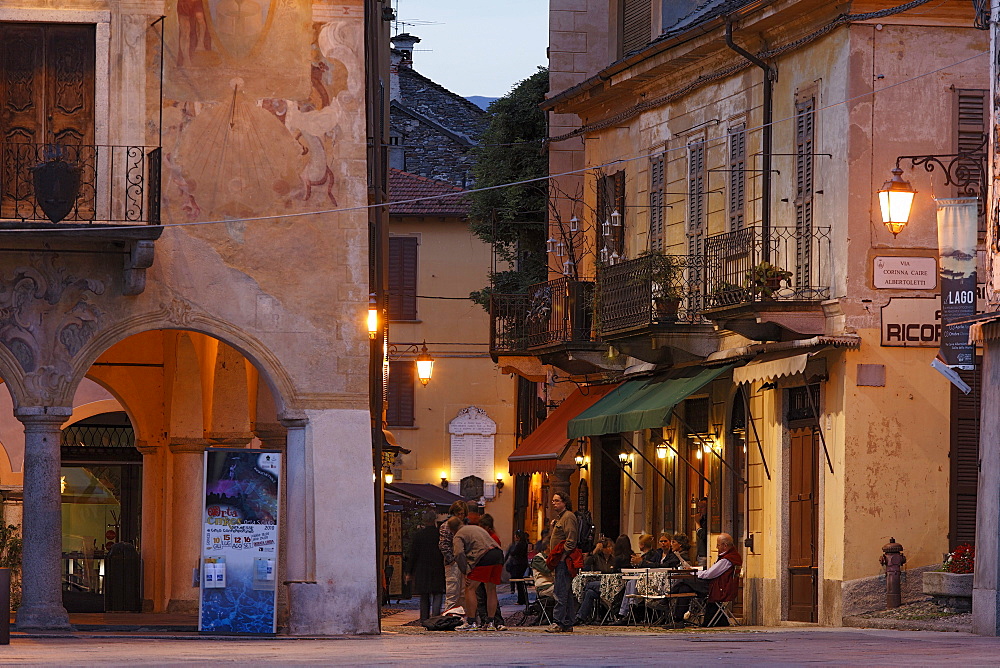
x=480, y=101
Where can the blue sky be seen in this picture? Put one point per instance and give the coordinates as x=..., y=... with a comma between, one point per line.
x=477, y=47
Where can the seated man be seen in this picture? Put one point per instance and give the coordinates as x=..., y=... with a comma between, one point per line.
x=542, y=574
x=598, y=561
x=714, y=583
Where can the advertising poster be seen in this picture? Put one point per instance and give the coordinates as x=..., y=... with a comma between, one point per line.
x=239, y=555
x=957, y=229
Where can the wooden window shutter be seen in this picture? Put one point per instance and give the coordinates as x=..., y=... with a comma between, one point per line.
x=737, y=176
x=636, y=25
x=402, y=278
x=399, y=407
x=971, y=117
x=696, y=197
x=964, y=457
x=805, y=185
x=656, y=217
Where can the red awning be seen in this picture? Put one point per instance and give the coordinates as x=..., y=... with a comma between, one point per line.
x=544, y=447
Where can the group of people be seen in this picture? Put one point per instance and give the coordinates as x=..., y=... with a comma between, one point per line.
x=564, y=559
x=460, y=563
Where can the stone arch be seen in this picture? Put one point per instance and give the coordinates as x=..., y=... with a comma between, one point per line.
x=268, y=365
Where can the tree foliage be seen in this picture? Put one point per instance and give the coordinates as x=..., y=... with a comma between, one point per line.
x=512, y=150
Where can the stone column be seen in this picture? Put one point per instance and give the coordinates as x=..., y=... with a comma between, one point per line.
x=41, y=583
x=559, y=482
x=185, y=521
x=986, y=583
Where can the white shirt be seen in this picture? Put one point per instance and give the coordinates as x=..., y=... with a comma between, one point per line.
x=717, y=569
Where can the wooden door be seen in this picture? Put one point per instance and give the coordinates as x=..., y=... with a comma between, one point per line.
x=803, y=525
x=47, y=83
x=964, y=457
x=46, y=107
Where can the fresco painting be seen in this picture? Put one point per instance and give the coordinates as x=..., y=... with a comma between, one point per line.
x=268, y=135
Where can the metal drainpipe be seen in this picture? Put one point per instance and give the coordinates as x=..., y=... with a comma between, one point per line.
x=770, y=76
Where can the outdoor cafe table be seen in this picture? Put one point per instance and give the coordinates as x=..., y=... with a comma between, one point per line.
x=610, y=584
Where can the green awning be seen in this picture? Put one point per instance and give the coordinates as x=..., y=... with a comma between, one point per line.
x=642, y=404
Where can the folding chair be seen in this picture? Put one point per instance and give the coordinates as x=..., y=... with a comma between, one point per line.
x=724, y=608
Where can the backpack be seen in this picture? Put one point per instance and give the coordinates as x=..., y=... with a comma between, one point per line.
x=442, y=623
x=584, y=530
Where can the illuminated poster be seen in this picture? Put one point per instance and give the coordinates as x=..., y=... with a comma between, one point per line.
x=239, y=554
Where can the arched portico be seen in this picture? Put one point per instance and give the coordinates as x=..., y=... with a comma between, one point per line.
x=182, y=402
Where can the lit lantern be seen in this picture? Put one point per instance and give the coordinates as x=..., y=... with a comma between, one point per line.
x=895, y=199
x=425, y=365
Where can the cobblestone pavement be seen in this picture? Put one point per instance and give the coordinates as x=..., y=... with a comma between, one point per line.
x=772, y=647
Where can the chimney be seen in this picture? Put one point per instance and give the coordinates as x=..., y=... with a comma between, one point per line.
x=404, y=44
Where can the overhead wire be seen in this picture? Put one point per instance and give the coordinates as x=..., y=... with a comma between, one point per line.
x=610, y=163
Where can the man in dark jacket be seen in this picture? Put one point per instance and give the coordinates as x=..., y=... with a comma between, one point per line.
x=424, y=567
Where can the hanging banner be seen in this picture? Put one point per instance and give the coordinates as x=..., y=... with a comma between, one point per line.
x=957, y=227
x=239, y=554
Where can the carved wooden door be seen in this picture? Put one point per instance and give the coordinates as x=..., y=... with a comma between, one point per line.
x=46, y=101
x=803, y=518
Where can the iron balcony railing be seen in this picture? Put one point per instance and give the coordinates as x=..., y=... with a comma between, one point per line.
x=651, y=289
x=796, y=267
x=548, y=313
x=80, y=183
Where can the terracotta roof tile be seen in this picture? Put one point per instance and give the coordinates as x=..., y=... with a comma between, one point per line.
x=406, y=186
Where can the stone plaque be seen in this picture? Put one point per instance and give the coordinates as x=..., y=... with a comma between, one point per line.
x=472, y=440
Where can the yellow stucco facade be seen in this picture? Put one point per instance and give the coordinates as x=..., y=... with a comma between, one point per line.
x=873, y=87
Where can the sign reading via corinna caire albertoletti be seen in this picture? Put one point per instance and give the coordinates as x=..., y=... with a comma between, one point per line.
x=472, y=441
x=905, y=273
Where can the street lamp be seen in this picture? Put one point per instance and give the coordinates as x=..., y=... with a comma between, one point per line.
x=623, y=458
x=895, y=198
x=966, y=171
x=581, y=461
x=372, y=316
x=425, y=365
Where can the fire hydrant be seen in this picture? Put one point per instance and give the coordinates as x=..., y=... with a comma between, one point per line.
x=893, y=559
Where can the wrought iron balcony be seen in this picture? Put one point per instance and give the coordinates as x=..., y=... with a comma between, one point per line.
x=549, y=314
x=654, y=289
x=796, y=267
x=52, y=183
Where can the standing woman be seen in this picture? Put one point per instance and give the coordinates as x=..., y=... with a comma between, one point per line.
x=517, y=564
x=424, y=568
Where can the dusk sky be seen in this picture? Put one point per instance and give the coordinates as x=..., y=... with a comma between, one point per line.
x=476, y=47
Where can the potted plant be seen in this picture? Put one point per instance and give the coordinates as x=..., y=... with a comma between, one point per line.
x=665, y=277
x=765, y=279
x=728, y=294
x=10, y=560
x=951, y=587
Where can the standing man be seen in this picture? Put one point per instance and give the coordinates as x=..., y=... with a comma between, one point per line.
x=453, y=578
x=563, y=555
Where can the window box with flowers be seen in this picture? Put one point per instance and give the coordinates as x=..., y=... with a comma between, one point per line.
x=951, y=587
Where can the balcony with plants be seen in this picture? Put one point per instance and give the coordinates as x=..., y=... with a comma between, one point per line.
x=552, y=321
x=650, y=307
x=769, y=284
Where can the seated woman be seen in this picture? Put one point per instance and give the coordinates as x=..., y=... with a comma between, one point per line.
x=599, y=561
x=680, y=547
x=542, y=575
x=646, y=559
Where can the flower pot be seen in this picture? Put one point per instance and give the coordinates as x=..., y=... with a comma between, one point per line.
x=666, y=308
x=951, y=591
